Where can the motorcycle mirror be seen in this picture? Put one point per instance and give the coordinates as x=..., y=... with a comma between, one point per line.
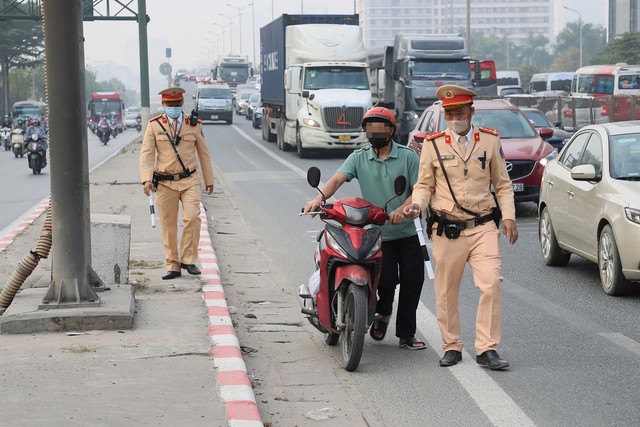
x=313, y=176
x=400, y=185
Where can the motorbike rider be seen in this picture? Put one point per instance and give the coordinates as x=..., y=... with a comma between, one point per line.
x=37, y=128
x=7, y=122
x=376, y=167
x=104, y=121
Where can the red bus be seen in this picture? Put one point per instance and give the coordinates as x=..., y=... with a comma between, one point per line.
x=619, y=83
x=106, y=103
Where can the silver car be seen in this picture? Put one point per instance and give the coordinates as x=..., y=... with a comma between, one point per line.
x=590, y=203
x=576, y=112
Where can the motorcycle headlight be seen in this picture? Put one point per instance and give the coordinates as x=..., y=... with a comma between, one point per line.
x=632, y=214
x=375, y=248
x=549, y=157
x=34, y=137
x=333, y=244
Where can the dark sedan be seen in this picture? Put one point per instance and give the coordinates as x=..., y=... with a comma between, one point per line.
x=256, y=118
x=539, y=120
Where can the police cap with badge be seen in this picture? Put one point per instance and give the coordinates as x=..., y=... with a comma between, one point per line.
x=454, y=96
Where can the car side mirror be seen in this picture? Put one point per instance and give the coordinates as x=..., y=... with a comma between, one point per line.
x=586, y=172
x=546, y=133
x=193, y=97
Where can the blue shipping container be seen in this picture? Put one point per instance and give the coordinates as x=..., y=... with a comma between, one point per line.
x=272, y=54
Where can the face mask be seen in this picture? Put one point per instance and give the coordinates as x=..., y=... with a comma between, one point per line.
x=458, y=126
x=173, y=112
x=378, y=139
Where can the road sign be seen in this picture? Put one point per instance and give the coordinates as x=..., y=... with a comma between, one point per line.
x=165, y=69
x=168, y=51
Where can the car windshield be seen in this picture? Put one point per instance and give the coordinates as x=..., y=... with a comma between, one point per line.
x=244, y=95
x=335, y=78
x=432, y=70
x=625, y=156
x=538, y=118
x=510, y=122
x=214, y=93
x=255, y=97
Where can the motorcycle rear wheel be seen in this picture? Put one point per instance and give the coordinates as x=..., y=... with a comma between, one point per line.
x=355, y=318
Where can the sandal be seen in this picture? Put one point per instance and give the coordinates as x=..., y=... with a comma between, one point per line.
x=412, y=344
x=379, y=327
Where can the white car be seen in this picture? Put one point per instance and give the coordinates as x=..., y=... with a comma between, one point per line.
x=590, y=203
x=130, y=120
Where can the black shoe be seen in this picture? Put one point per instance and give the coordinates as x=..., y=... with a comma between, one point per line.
x=450, y=358
x=171, y=275
x=191, y=269
x=491, y=360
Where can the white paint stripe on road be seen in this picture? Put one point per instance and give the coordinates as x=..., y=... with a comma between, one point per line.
x=494, y=402
x=229, y=364
x=231, y=393
x=623, y=341
x=277, y=158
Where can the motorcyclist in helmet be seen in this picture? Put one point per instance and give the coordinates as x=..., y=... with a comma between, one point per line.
x=7, y=122
x=37, y=128
x=376, y=166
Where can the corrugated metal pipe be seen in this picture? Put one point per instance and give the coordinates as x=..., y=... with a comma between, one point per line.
x=28, y=264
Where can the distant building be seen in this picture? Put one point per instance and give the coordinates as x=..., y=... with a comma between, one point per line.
x=516, y=19
x=624, y=17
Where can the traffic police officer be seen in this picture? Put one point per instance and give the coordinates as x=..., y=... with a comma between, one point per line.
x=172, y=145
x=457, y=167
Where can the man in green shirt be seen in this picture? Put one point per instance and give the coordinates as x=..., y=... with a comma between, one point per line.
x=376, y=167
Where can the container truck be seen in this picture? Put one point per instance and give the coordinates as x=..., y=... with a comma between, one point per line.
x=315, y=86
x=415, y=67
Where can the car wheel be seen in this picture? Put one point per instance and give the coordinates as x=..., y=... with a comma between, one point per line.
x=552, y=253
x=611, y=277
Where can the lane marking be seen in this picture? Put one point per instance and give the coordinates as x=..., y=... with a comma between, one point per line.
x=494, y=402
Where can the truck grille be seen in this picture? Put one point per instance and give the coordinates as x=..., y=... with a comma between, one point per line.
x=520, y=168
x=343, y=118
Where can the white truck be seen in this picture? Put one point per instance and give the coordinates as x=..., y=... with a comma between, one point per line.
x=315, y=85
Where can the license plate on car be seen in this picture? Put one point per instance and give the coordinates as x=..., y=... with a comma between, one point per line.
x=214, y=117
x=344, y=138
x=517, y=187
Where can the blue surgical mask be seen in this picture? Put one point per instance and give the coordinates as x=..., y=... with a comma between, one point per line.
x=173, y=112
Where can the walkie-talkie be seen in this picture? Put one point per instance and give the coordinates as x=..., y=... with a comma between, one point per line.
x=193, y=118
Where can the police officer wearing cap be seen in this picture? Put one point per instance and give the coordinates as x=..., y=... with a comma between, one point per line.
x=172, y=145
x=457, y=167
x=376, y=167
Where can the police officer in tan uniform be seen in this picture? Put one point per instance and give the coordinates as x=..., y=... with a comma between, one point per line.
x=464, y=222
x=172, y=145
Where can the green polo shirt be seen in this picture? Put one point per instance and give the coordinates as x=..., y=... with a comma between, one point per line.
x=376, y=178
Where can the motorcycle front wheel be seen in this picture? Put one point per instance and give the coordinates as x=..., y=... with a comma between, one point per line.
x=355, y=318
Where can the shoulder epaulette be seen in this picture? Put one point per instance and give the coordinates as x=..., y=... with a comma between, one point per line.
x=489, y=130
x=434, y=135
x=152, y=119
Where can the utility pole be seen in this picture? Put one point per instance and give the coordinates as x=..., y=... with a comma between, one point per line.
x=469, y=27
x=64, y=65
x=145, y=110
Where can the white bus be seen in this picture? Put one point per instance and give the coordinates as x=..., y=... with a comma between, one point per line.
x=620, y=80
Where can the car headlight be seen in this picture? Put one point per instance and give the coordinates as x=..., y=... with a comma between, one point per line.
x=310, y=122
x=549, y=157
x=632, y=214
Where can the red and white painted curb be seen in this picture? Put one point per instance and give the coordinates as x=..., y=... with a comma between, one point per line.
x=236, y=390
x=7, y=239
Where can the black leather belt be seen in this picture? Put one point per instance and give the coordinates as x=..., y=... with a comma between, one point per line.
x=174, y=177
x=452, y=228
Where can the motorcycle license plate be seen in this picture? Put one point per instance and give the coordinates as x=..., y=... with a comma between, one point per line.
x=344, y=138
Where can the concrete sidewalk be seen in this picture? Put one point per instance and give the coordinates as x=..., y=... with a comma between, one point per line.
x=182, y=363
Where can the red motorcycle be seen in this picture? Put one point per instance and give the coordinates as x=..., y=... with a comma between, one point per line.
x=349, y=259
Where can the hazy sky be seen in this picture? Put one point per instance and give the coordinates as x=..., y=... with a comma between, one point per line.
x=192, y=28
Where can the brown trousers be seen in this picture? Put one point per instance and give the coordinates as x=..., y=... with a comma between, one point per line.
x=168, y=201
x=480, y=248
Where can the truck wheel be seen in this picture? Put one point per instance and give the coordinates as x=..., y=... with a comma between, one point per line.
x=303, y=153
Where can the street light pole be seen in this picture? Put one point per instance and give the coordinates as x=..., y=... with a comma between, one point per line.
x=579, y=23
x=240, y=9
x=223, y=45
x=230, y=18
